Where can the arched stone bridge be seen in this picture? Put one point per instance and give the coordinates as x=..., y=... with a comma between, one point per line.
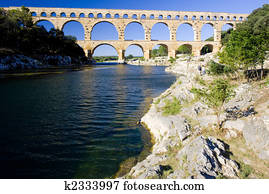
x=147, y=18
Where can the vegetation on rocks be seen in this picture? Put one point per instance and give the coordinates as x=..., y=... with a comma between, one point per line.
x=215, y=95
x=247, y=45
x=19, y=34
x=172, y=107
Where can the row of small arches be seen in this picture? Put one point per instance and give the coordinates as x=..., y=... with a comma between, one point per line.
x=143, y=16
x=140, y=50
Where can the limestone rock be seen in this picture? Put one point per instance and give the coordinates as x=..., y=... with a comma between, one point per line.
x=238, y=125
x=256, y=135
x=204, y=158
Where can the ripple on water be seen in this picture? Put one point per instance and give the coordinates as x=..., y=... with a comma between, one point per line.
x=80, y=124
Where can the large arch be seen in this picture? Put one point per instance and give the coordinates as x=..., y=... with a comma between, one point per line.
x=104, y=30
x=74, y=28
x=104, y=49
x=207, y=32
x=159, y=50
x=160, y=31
x=185, y=32
x=227, y=27
x=208, y=48
x=184, y=49
x=134, y=31
x=136, y=50
x=46, y=24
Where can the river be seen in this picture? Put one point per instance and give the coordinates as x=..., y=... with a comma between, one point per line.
x=79, y=124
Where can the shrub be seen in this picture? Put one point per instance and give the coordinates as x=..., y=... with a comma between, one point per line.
x=215, y=95
x=172, y=107
x=215, y=68
x=172, y=60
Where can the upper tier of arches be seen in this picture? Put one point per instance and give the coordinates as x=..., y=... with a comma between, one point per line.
x=136, y=14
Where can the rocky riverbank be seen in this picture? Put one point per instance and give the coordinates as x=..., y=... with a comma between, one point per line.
x=157, y=61
x=188, y=145
x=10, y=61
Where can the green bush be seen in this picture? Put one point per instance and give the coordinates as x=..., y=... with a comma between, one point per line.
x=215, y=68
x=172, y=107
x=215, y=95
x=172, y=60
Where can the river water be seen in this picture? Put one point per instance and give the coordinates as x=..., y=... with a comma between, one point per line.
x=79, y=124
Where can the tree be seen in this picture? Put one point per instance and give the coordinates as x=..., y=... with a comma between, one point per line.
x=247, y=45
x=184, y=49
x=215, y=95
x=161, y=51
x=22, y=16
x=129, y=57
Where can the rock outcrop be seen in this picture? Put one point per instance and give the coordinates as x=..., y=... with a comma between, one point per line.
x=181, y=150
x=205, y=158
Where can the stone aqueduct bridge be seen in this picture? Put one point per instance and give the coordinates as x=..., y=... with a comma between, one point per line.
x=147, y=18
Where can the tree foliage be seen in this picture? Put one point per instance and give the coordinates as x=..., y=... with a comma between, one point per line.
x=161, y=51
x=184, y=49
x=215, y=95
x=17, y=32
x=247, y=45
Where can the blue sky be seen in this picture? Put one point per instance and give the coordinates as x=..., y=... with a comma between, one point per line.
x=134, y=31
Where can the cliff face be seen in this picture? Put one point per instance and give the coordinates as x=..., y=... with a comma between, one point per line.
x=188, y=145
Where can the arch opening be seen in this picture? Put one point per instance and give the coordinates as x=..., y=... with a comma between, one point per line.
x=99, y=15
x=43, y=14
x=225, y=31
x=134, y=31
x=108, y=15
x=104, y=31
x=72, y=15
x=74, y=29
x=104, y=52
x=184, y=49
x=134, y=51
x=160, y=31
x=169, y=17
x=143, y=16
x=63, y=15
x=152, y=16
x=206, y=49
x=82, y=15
x=207, y=32
x=125, y=16
x=46, y=24
x=177, y=17
x=185, y=32
x=134, y=16
x=91, y=15
x=159, y=50
x=116, y=15
x=53, y=14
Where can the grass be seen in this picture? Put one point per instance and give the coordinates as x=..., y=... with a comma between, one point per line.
x=157, y=101
x=245, y=171
x=199, y=80
x=171, y=107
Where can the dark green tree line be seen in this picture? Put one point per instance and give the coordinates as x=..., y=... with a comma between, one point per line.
x=19, y=33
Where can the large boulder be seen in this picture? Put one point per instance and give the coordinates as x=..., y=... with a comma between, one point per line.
x=204, y=158
x=256, y=134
